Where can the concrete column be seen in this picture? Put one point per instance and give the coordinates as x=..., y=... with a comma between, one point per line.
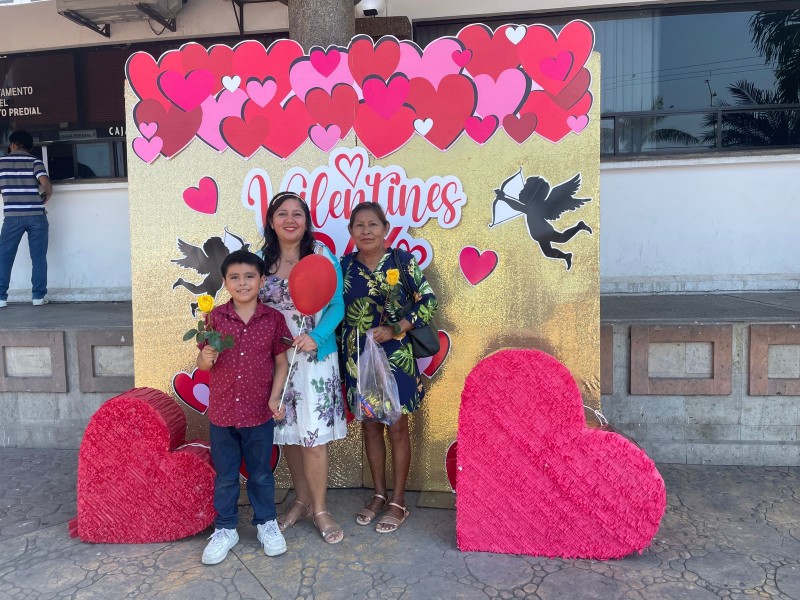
x=321, y=22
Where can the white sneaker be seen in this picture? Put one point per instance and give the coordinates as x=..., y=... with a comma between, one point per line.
x=41, y=301
x=3, y=303
x=222, y=540
x=271, y=538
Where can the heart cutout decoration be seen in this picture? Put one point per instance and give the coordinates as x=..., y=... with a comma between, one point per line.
x=129, y=450
x=476, y=265
x=193, y=389
x=584, y=493
x=451, y=464
x=430, y=365
x=204, y=197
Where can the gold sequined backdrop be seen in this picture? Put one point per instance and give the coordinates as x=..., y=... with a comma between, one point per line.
x=528, y=301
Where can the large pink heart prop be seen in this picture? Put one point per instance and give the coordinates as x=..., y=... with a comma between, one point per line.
x=566, y=490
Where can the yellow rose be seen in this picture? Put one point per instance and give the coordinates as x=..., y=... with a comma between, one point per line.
x=205, y=303
x=392, y=276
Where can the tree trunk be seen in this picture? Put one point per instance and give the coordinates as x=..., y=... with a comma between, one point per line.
x=321, y=22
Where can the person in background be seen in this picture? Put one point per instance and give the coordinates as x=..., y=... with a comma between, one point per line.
x=26, y=188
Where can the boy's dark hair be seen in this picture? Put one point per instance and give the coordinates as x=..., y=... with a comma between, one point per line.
x=242, y=257
x=21, y=138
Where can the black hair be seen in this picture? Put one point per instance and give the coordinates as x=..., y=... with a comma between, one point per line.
x=271, y=250
x=242, y=257
x=21, y=138
x=371, y=206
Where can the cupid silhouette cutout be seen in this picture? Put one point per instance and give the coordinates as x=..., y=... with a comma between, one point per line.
x=539, y=204
x=207, y=260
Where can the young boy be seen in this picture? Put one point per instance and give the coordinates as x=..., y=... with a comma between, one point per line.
x=245, y=390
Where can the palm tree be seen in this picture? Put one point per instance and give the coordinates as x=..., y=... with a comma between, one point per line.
x=636, y=132
x=776, y=34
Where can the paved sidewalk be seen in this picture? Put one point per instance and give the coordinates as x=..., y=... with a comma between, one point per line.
x=729, y=532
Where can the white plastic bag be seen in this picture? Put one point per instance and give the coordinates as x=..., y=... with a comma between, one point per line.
x=378, y=399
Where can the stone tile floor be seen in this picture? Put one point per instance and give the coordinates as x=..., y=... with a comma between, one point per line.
x=729, y=532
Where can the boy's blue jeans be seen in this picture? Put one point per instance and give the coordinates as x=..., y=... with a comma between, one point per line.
x=37, y=229
x=228, y=445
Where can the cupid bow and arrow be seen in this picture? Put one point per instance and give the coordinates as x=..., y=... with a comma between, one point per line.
x=504, y=193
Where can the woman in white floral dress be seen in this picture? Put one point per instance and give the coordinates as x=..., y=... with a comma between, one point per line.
x=314, y=405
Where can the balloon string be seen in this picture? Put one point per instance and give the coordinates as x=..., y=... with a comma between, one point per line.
x=291, y=363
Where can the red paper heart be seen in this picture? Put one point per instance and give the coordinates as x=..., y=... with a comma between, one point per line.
x=551, y=118
x=451, y=464
x=142, y=73
x=520, y=128
x=288, y=125
x=134, y=485
x=193, y=389
x=431, y=365
x=204, y=197
x=337, y=108
x=574, y=90
x=386, y=97
x=383, y=136
x=480, y=130
x=477, y=266
x=274, y=461
x=245, y=136
x=216, y=59
x=187, y=91
x=251, y=60
x=324, y=62
x=176, y=128
x=448, y=106
x=492, y=53
x=365, y=59
x=418, y=250
x=582, y=493
x=552, y=61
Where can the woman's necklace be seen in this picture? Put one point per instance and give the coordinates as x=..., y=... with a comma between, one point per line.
x=290, y=261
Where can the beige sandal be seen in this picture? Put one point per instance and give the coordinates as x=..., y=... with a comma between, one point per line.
x=393, y=522
x=284, y=521
x=365, y=515
x=331, y=531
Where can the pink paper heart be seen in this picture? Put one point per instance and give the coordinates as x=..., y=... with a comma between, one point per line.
x=201, y=392
x=187, y=92
x=204, y=197
x=261, y=92
x=558, y=67
x=226, y=104
x=386, y=98
x=304, y=77
x=476, y=265
x=325, y=138
x=462, y=57
x=148, y=129
x=146, y=149
x=325, y=62
x=433, y=64
x=577, y=124
x=502, y=97
x=480, y=130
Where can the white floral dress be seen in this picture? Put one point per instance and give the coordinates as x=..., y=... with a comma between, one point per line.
x=314, y=405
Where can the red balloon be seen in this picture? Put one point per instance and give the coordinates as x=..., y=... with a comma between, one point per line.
x=312, y=284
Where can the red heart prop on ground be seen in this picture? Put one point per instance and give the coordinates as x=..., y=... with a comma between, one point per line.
x=553, y=61
x=451, y=464
x=245, y=136
x=365, y=59
x=476, y=265
x=337, y=108
x=176, y=128
x=383, y=136
x=251, y=60
x=204, y=197
x=492, y=53
x=567, y=491
x=448, y=106
x=551, y=118
x=193, y=389
x=430, y=366
x=134, y=487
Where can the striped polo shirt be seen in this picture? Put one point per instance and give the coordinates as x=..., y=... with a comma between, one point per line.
x=19, y=184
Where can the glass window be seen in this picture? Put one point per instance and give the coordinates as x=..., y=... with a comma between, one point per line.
x=94, y=160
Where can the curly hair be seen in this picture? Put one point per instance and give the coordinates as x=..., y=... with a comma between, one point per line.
x=271, y=249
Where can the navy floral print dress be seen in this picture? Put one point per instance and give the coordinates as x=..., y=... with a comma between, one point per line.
x=367, y=306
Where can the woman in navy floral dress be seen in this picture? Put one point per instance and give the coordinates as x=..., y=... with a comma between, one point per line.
x=366, y=308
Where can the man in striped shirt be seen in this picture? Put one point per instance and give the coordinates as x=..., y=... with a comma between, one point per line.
x=21, y=175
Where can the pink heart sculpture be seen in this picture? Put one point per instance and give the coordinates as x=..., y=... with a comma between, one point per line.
x=502, y=97
x=187, y=92
x=226, y=104
x=304, y=76
x=477, y=266
x=260, y=92
x=567, y=491
x=385, y=98
x=433, y=64
x=325, y=138
x=204, y=197
x=147, y=150
x=480, y=130
x=137, y=482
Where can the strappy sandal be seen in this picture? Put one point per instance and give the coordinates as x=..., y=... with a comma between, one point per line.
x=331, y=531
x=284, y=521
x=366, y=515
x=393, y=522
